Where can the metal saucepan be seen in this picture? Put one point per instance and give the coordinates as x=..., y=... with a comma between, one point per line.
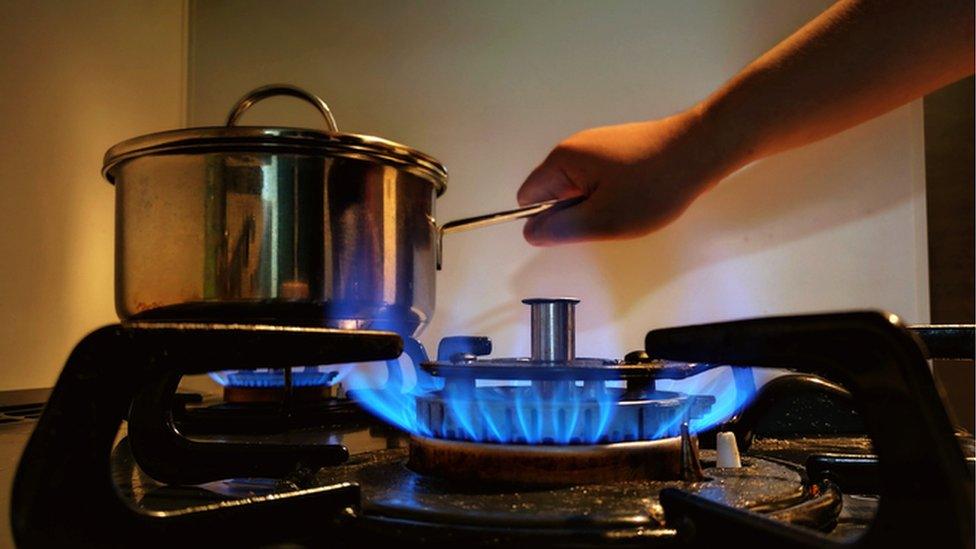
x=280, y=225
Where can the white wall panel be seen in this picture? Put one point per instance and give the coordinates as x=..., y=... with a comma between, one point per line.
x=489, y=87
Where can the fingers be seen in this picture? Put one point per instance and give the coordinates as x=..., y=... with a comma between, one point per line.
x=572, y=224
x=552, y=181
x=547, y=182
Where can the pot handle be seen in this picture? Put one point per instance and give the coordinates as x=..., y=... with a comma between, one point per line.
x=494, y=218
x=271, y=90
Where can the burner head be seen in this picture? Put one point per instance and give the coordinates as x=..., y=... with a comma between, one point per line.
x=552, y=397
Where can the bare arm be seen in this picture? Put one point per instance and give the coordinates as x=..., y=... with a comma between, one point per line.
x=857, y=60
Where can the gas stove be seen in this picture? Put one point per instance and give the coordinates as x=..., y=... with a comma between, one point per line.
x=672, y=444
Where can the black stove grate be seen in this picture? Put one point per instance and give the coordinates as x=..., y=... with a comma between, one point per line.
x=21, y=412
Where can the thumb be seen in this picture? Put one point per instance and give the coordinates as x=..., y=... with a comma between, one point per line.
x=547, y=182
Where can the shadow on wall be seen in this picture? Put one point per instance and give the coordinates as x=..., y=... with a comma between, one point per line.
x=763, y=206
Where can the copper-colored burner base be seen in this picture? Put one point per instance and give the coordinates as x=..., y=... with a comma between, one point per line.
x=304, y=393
x=547, y=465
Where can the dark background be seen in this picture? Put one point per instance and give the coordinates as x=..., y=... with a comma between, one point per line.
x=949, y=182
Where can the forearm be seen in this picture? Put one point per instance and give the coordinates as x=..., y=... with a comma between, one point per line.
x=857, y=60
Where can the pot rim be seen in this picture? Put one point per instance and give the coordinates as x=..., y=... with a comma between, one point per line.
x=263, y=139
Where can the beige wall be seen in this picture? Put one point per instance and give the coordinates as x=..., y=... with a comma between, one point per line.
x=488, y=87
x=77, y=77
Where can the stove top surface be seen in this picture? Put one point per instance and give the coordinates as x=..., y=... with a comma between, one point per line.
x=392, y=492
x=433, y=509
x=326, y=470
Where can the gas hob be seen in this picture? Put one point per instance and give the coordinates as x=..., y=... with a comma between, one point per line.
x=851, y=447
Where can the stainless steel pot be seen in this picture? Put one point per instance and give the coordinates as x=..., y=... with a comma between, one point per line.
x=280, y=225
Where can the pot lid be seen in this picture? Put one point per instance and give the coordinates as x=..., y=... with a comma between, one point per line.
x=262, y=139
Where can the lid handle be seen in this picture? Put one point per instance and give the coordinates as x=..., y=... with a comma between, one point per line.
x=271, y=90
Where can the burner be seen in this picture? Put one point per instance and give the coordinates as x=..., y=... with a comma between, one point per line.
x=555, y=415
x=554, y=398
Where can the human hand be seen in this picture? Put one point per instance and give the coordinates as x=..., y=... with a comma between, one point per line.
x=637, y=178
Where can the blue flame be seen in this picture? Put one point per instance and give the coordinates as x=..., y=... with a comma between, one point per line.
x=730, y=398
x=520, y=412
x=562, y=412
x=367, y=385
x=307, y=376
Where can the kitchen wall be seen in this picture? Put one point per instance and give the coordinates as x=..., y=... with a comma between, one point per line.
x=488, y=88
x=77, y=78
